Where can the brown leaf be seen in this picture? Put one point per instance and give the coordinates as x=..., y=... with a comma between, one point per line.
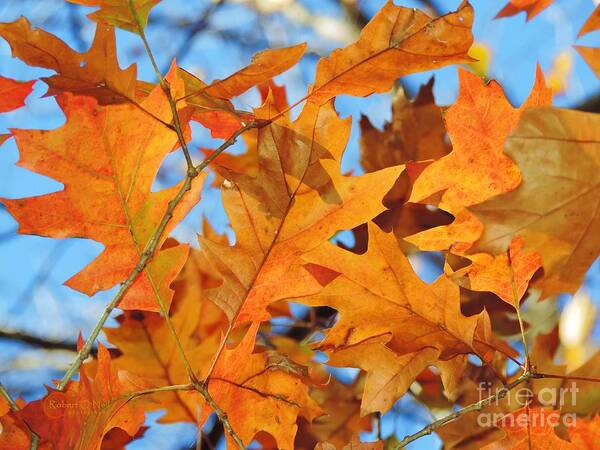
x=391, y=323
x=555, y=209
x=396, y=42
x=95, y=73
x=129, y=147
x=264, y=66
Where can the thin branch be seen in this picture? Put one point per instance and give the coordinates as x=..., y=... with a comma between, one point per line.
x=148, y=253
x=461, y=412
x=199, y=26
x=524, y=378
x=221, y=415
x=565, y=377
x=37, y=341
x=166, y=88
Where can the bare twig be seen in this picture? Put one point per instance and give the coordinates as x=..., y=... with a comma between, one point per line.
x=461, y=412
x=197, y=27
x=37, y=341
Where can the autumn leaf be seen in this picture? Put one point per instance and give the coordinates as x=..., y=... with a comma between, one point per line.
x=398, y=41
x=507, y=275
x=586, y=434
x=129, y=147
x=298, y=200
x=79, y=417
x=555, y=208
x=531, y=7
x=127, y=14
x=95, y=73
x=478, y=123
x=531, y=429
x=591, y=24
x=13, y=93
x=14, y=434
x=256, y=398
x=264, y=66
x=147, y=348
x=210, y=102
x=591, y=55
x=391, y=323
x=342, y=420
x=477, y=168
x=415, y=133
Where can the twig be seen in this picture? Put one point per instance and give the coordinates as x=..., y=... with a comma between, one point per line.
x=166, y=88
x=191, y=172
x=473, y=407
x=196, y=28
x=147, y=253
x=38, y=341
x=524, y=378
x=221, y=415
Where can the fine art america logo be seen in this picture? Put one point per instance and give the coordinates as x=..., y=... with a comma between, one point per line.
x=554, y=398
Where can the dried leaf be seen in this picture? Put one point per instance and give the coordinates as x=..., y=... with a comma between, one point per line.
x=555, y=209
x=129, y=147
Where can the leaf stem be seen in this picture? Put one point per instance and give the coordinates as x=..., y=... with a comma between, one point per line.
x=517, y=307
x=164, y=84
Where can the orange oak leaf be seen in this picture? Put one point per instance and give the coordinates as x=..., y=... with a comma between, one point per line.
x=13, y=93
x=531, y=429
x=79, y=417
x=591, y=24
x=264, y=66
x=126, y=14
x=256, y=398
x=392, y=324
x=586, y=434
x=95, y=73
x=478, y=123
x=507, y=275
x=341, y=406
x=297, y=200
x=147, y=348
x=556, y=208
x=398, y=41
x=477, y=168
x=14, y=434
x=591, y=55
x=531, y=7
x=218, y=115
x=107, y=195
